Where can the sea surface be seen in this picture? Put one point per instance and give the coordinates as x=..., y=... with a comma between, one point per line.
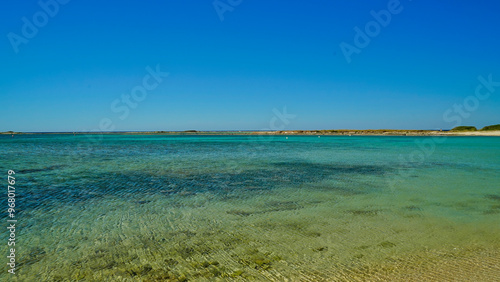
x=265, y=208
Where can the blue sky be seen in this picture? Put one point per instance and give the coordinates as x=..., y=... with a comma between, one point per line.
x=231, y=74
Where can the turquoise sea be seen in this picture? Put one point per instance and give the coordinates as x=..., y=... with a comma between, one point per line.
x=265, y=208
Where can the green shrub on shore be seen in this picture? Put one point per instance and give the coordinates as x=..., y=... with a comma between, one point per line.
x=464, y=128
x=491, y=127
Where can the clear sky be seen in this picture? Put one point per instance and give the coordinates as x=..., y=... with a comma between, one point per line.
x=232, y=63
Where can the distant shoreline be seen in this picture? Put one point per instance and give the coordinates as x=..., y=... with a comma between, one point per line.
x=340, y=132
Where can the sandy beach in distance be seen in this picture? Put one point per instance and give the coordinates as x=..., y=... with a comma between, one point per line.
x=475, y=133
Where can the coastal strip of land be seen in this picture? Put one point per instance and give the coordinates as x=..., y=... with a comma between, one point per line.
x=329, y=132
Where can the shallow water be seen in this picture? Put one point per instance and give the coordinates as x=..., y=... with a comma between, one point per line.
x=131, y=207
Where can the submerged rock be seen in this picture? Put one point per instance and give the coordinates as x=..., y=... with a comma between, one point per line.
x=387, y=244
x=493, y=197
x=364, y=212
